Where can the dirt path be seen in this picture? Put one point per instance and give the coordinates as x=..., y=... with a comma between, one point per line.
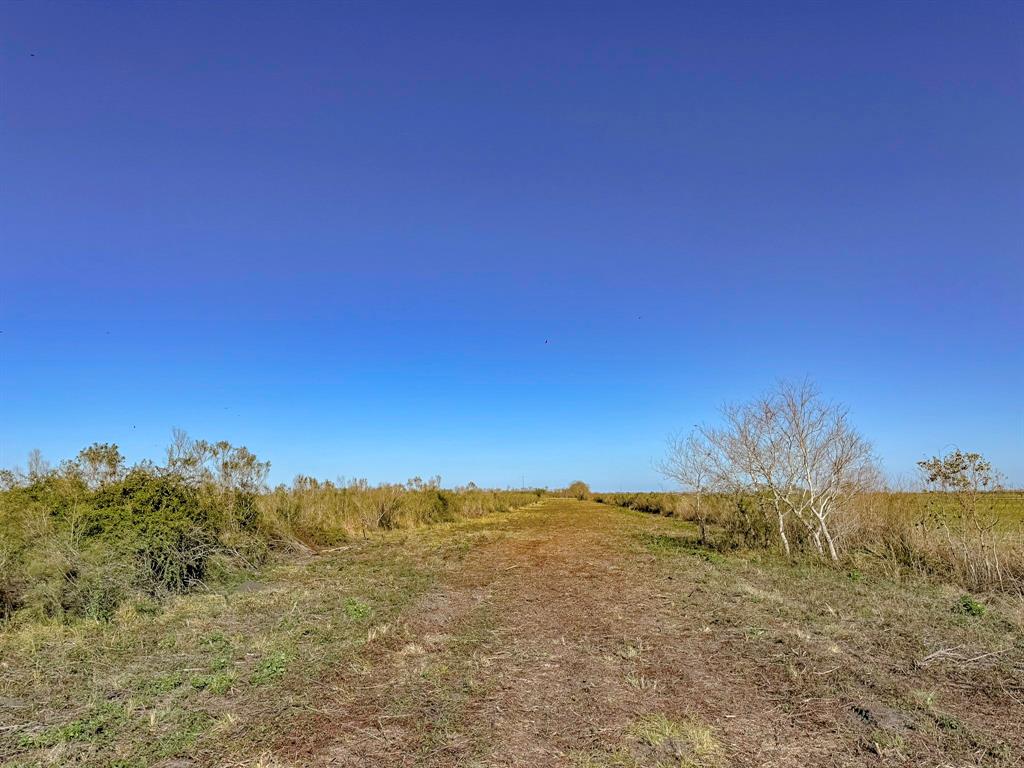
x=543, y=647
x=561, y=638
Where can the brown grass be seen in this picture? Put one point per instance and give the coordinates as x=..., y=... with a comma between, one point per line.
x=925, y=534
x=567, y=633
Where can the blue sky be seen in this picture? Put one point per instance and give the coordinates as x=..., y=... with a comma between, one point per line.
x=499, y=241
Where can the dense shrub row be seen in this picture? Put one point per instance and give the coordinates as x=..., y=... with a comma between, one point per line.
x=667, y=504
x=77, y=540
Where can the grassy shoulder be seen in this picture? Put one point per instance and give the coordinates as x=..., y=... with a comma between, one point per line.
x=909, y=668
x=208, y=676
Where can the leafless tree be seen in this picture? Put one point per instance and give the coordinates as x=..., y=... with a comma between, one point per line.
x=38, y=467
x=799, y=452
x=824, y=459
x=691, y=462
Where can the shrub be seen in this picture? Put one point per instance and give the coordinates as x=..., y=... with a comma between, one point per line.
x=969, y=606
x=578, y=490
x=159, y=522
x=78, y=541
x=666, y=504
x=313, y=513
x=925, y=533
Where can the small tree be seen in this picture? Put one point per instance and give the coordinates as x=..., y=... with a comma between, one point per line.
x=966, y=478
x=967, y=475
x=578, y=490
x=826, y=458
x=791, y=450
x=691, y=462
x=99, y=464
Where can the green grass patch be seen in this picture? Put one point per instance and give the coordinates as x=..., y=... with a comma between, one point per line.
x=681, y=543
x=271, y=668
x=356, y=610
x=217, y=683
x=100, y=724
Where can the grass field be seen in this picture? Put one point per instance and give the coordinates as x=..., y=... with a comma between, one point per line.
x=564, y=633
x=1005, y=506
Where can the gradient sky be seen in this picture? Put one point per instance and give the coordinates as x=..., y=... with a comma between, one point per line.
x=507, y=241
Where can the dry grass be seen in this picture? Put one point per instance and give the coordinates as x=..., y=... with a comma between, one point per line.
x=213, y=676
x=981, y=548
x=565, y=633
x=926, y=534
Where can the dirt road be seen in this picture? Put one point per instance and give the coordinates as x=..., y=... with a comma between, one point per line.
x=572, y=633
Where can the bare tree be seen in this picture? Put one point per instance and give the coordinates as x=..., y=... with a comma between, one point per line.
x=825, y=460
x=38, y=467
x=798, y=452
x=750, y=462
x=691, y=463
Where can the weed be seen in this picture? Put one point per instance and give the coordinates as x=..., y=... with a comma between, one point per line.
x=356, y=610
x=158, y=685
x=270, y=668
x=883, y=742
x=639, y=682
x=968, y=606
x=691, y=743
x=217, y=683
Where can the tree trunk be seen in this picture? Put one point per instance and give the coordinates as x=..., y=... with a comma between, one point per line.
x=701, y=522
x=816, y=538
x=782, y=533
x=831, y=543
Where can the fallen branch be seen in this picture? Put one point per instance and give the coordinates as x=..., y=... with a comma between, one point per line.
x=948, y=654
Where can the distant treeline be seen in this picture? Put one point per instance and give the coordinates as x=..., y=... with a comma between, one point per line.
x=78, y=539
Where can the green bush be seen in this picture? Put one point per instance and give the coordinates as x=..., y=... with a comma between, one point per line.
x=969, y=606
x=79, y=541
x=157, y=521
x=67, y=550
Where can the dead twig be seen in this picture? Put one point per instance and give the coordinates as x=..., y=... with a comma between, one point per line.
x=948, y=654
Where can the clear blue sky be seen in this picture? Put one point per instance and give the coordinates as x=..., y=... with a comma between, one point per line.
x=496, y=241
